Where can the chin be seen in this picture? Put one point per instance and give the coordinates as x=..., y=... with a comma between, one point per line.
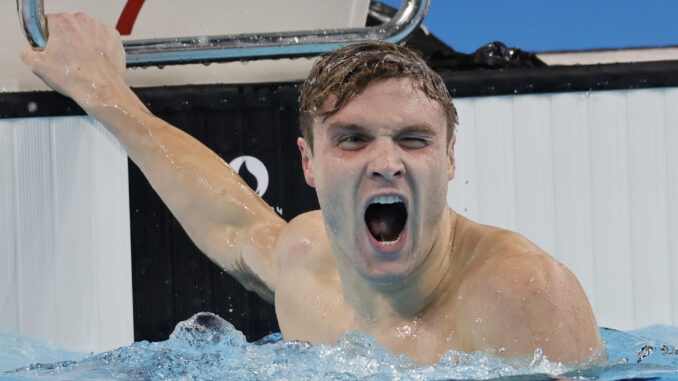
x=378, y=267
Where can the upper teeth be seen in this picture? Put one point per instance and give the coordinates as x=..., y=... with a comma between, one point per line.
x=386, y=200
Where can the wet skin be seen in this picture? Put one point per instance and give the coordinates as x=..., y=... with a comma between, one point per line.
x=445, y=283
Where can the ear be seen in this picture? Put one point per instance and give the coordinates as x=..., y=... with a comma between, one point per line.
x=450, y=153
x=306, y=163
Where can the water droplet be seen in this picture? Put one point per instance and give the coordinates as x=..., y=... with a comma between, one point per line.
x=32, y=107
x=460, y=297
x=479, y=320
x=203, y=40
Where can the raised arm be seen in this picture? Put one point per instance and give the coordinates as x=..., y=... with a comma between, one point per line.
x=231, y=224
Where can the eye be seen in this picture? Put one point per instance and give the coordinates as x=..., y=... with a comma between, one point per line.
x=412, y=142
x=352, y=142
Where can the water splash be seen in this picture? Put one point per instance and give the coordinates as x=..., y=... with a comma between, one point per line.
x=208, y=347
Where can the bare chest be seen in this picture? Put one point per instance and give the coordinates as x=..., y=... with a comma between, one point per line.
x=314, y=310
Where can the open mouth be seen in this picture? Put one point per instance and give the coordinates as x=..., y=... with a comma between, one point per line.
x=385, y=218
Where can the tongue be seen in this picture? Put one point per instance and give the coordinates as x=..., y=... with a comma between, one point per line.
x=386, y=222
x=383, y=228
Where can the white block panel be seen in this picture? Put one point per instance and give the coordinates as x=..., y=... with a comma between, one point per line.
x=496, y=188
x=34, y=227
x=610, y=210
x=66, y=266
x=464, y=189
x=9, y=314
x=671, y=123
x=649, y=203
x=76, y=274
x=535, y=207
x=572, y=186
x=111, y=232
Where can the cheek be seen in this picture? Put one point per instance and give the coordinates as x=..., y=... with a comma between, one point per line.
x=433, y=183
x=434, y=164
x=330, y=184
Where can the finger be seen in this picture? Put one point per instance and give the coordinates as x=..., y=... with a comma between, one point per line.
x=54, y=20
x=81, y=16
x=60, y=21
x=31, y=57
x=113, y=31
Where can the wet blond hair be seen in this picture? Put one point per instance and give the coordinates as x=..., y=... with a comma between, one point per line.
x=346, y=72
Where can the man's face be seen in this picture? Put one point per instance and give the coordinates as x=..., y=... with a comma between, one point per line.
x=380, y=167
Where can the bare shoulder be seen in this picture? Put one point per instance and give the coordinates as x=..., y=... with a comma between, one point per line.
x=308, y=298
x=518, y=298
x=303, y=243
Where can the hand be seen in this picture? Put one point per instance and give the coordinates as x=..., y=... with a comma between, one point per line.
x=83, y=59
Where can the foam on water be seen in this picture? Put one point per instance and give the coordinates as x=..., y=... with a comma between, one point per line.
x=207, y=347
x=17, y=350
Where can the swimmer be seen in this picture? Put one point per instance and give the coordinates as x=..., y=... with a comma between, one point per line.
x=384, y=255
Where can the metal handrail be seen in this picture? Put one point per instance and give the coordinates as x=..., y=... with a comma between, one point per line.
x=221, y=48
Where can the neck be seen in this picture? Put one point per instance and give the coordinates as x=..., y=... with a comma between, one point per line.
x=405, y=297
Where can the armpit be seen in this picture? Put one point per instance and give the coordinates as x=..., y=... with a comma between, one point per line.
x=255, y=271
x=255, y=266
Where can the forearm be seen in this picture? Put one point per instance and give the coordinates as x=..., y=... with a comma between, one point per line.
x=200, y=189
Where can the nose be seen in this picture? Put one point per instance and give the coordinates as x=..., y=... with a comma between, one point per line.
x=386, y=163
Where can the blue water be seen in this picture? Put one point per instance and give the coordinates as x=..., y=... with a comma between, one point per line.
x=207, y=347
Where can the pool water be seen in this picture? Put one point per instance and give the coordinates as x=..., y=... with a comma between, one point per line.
x=208, y=347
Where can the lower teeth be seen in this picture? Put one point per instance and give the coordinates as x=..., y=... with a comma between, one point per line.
x=391, y=243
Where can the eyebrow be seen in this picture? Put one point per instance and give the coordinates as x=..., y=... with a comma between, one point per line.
x=421, y=128
x=349, y=127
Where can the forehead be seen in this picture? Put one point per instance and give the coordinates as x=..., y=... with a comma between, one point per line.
x=392, y=102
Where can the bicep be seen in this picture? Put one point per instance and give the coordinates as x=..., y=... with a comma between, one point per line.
x=246, y=252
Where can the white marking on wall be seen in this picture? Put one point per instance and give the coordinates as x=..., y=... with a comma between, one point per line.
x=589, y=177
x=65, y=264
